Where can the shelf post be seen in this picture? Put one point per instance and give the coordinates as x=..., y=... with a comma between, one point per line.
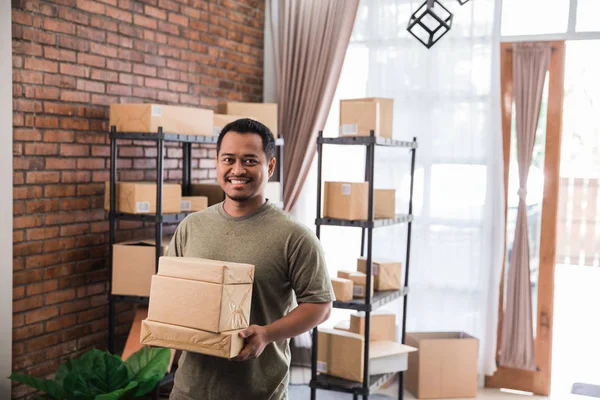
x=112, y=235
x=315, y=332
x=407, y=263
x=160, y=147
x=187, y=168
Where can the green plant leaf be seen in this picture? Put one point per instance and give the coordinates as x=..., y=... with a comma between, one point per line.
x=95, y=373
x=52, y=388
x=148, y=366
x=119, y=394
x=63, y=370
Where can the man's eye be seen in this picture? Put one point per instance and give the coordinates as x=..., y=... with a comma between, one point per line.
x=228, y=160
x=251, y=162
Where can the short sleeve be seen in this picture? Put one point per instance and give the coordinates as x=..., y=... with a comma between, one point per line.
x=177, y=246
x=308, y=271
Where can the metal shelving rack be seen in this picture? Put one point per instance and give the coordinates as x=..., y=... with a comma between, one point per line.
x=370, y=382
x=158, y=218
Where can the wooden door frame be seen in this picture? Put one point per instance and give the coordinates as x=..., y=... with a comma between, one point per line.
x=537, y=381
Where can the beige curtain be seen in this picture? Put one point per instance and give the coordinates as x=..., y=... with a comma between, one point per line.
x=310, y=38
x=530, y=63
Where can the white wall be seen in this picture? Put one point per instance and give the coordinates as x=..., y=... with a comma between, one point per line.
x=6, y=199
x=269, y=84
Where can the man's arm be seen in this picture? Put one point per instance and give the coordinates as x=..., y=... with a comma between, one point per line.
x=301, y=319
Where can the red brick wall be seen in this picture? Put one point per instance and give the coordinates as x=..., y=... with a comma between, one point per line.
x=71, y=59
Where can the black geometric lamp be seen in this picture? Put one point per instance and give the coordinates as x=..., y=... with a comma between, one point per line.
x=430, y=22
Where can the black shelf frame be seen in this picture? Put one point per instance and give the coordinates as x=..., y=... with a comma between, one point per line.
x=371, y=302
x=158, y=218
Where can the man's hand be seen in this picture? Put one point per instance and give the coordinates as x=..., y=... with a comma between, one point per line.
x=256, y=340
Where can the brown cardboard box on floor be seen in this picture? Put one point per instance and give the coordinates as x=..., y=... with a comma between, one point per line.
x=140, y=197
x=134, y=263
x=343, y=325
x=344, y=273
x=349, y=200
x=197, y=293
x=342, y=288
x=193, y=203
x=444, y=367
x=265, y=113
x=173, y=119
x=359, y=116
x=341, y=354
x=224, y=344
x=220, y=120
x=212, y=191
x=387, y=274
x=383, y=325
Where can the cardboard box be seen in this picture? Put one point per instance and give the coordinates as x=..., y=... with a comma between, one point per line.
x=359, y=286
x=350, y=200
x=208, y=295
x=224, y=344
x=388, y=274
x=359, y=116
x=445, y=365
x=140, y=197
x=194, y=203
x=273, y=192
x=343, y=325
x=133, y=343
x=341, y=354
x=344, y=273
x=220, y=120
x=212, y=191
x=134, y=263
x=172, y=119
x=265, y=113
x=342, y=288
x=383, y=325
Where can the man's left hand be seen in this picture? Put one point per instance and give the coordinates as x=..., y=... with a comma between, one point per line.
x=256, y=341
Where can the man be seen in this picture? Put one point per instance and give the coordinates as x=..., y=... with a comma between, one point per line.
x=288, y=258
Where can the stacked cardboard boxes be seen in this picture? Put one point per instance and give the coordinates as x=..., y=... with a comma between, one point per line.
x=199, y=305
x=386, y=275
x=350, y=201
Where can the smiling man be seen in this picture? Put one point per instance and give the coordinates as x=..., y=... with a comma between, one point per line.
x=289, y=264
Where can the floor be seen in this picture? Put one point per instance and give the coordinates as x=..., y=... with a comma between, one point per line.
x=302, y=392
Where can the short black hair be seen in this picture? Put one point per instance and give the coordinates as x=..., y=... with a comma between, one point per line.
x=247, y=125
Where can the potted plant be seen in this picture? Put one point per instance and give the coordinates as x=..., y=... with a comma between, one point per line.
x=99, y=375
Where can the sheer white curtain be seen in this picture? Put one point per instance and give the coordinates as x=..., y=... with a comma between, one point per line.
x=447, y=97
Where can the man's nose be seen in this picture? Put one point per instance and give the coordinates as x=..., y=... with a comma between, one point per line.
x=238, y=168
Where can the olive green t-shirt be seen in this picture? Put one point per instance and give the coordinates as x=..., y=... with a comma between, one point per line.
x=288, y=260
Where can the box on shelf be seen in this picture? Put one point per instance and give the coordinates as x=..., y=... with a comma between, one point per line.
x=173, y=119
x=445, y=365
x=224, y=344
x=350, y=201
x=134, y=263
x=140, y=197
x=343, y=325
x=359, y=284
x=220, y=120
x=265, y=113
x=344, y=273
x=359, y=116
x=342, y=288
x=212, y=191
x=341, y=354
x=201, y=294
x=194, y=203
x=273, y=192
x=383, y=325
x=388, y=274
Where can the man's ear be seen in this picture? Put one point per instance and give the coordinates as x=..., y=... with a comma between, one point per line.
x=272, y=164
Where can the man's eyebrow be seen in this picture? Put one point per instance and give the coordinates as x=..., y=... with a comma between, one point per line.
x=244, y=155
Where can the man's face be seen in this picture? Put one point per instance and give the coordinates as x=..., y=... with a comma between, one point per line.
x=242, y=166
